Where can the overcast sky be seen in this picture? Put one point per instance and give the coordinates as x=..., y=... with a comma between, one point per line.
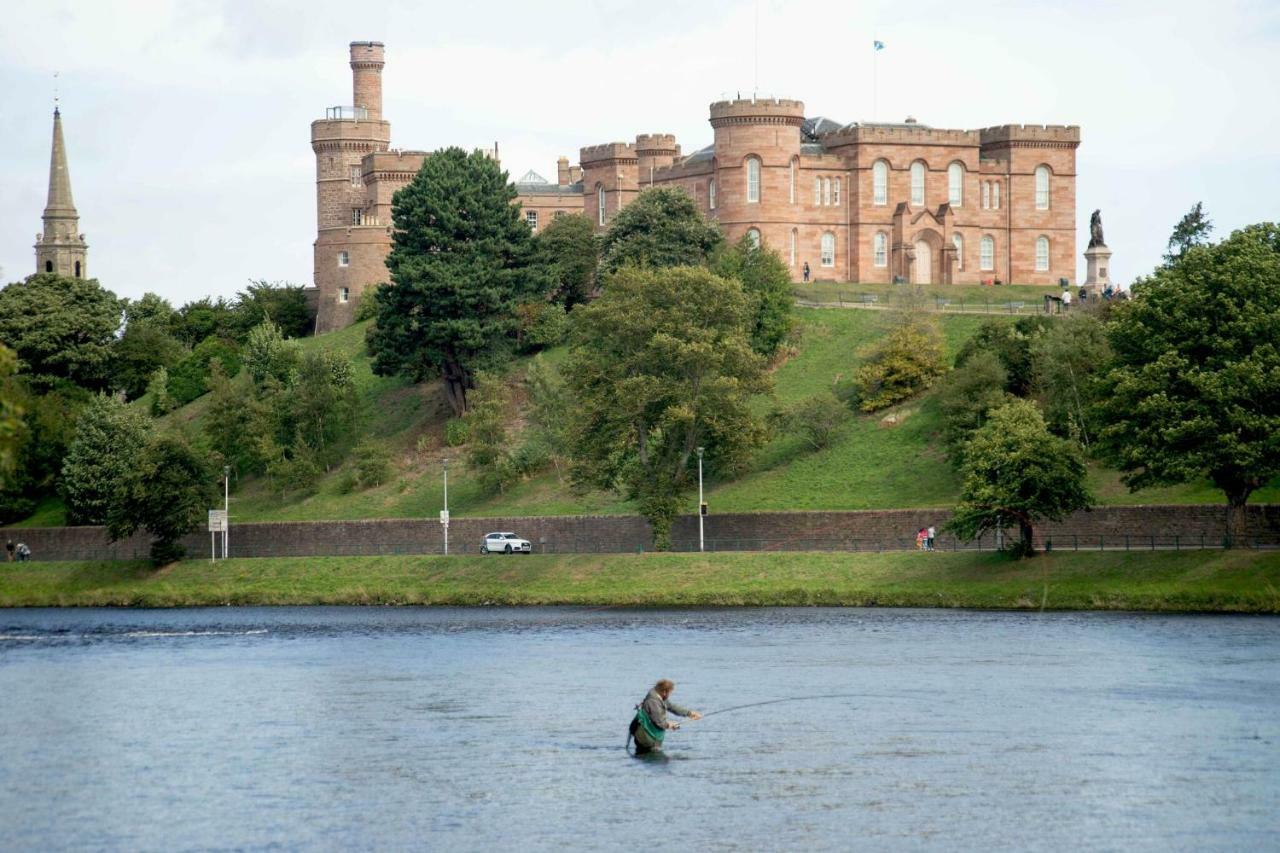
x=187, y=121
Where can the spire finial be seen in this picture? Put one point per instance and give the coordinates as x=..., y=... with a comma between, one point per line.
x=55, y=93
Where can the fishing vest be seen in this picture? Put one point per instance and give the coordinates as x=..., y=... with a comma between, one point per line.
x=647, y=724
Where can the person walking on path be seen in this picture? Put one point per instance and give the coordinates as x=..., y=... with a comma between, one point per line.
x=1066, y=301
x=24, y=553
x=929, y=534
x=920, y=539
x=806, y=271
x=650, y=725
x=8, y=551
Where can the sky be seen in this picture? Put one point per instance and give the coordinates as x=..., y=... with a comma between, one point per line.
x=188, y=121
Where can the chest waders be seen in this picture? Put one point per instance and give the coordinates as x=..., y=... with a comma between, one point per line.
x=642, y=721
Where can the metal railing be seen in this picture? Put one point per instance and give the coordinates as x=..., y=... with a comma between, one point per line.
x=346, y=114
x=944, y=304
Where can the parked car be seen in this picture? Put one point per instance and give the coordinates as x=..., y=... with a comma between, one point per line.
x=505, y=543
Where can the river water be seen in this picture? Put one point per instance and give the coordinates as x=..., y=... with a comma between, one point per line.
x=457, y=729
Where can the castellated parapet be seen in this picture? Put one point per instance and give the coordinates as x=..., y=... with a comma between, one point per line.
x=596, y=155
x=894, y=134
x=757, y=111
x=1039, y=135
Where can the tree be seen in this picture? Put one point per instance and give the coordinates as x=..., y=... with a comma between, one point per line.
x=1191, y=230
x=167, y=492
x=162, y=401
x=189, y=378
x=205, y=318
x=817, y=420
x=1195, y=390
x=11, y=434
x=460, y=261
x=1068, y=358
x=966, y=399
x=901, y=364
x=280, y=303
x=48, y=428
x=661, y=228
x=1016, y=472
x=151, y=310
x=61, y=329
x=267, y=353
x=322, y=407
x=487, y=445
x=1011, y=343
x=109, y=438
x=236, y=422
x=661, y=363
x=766, y=279
x=570, y=251
x=142, y=350
x=550, y=405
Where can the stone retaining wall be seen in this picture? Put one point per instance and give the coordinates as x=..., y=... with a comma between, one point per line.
x=1111, y=527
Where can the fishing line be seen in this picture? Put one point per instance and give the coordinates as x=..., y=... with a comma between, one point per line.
x=788, y=699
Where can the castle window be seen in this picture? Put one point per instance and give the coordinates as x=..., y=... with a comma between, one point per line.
x=826, y=191
x=344, y=294
x=600, y=203
x=344, y=259
x=795, y=238
x=531, y=219
x=753, y=180
x=793, y=180
x=356, y=179
x=817, y=191
x=958, y=242
x=995, y=195
x=1042, y=254
x=880, y=183
x=357, y=216
x=835, y=193
x=1042, y=187
x=753, y=234
x=711, y=194
x=955, y=184
x=48, y=266
x=986, y=195
x=828, y=249
x=880, y=249
x=77, y=269
x=917, y=183
x=987, y=254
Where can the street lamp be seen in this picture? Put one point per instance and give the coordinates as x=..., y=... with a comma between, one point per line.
x=444, y=513
x=226, y=509
x=702, y=507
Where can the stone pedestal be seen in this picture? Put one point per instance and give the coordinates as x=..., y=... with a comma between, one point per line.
x=1098, y=274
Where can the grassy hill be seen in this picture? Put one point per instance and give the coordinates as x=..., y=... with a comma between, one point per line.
x=890, y=459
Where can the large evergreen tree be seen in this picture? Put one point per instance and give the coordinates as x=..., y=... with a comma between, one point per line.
x=460, y=262
x=661, y=228
x=1191, y=230
x=61, y=329
x=109, y=438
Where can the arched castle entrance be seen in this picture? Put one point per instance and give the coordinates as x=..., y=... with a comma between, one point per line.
x=926, y=251
x=922, y=269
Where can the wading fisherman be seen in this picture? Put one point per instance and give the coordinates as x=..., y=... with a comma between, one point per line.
x=651, y=725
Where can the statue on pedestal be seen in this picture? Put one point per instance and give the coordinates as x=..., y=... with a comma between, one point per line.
x=1095, y=230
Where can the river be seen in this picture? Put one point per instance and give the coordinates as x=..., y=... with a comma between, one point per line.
x=481, y=729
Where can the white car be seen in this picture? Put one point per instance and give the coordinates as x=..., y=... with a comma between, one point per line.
x=505, y=543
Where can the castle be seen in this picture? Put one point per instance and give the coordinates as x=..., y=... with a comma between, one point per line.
x=862, y=202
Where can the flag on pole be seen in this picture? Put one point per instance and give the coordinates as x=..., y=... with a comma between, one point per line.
x=878, y=45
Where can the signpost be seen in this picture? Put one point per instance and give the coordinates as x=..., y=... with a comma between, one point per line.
x=217, y=524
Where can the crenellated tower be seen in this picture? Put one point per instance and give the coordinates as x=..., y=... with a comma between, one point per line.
x=61, y=248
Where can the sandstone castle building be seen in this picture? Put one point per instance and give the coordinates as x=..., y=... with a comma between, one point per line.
x=60, y=247
x=862, y=202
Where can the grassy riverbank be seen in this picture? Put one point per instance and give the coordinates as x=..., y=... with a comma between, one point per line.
x=1231, y=581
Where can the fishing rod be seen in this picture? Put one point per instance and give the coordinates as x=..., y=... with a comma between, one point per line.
x=787, y=699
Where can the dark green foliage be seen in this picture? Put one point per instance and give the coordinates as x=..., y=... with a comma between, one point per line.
x=1016, y=473
x=662, y=363
x=541, y=325
x=455, y=432
x=205, y=318
x=903, y=363
x=767, y=281
x=487, y=447
x=278, y=302
x=1012, y=344
x=109, y=438
x=151, y=310
x=372, y=465
x=11, y=432
x=167, y=492
x=966, y=399
x=1196, y=387
x=162, y=401
x=236, y=423
x=570, y=251
x=298, y=473
x=189, y=378
x=549, y=414
x=367, y=308
x=48, y=428
x=320, y=407
x=816, y=420
x=661, y=228
x=144, y=348
x=62, y=329
x=1191, y=230
x=1069, y=359
x=459, y=263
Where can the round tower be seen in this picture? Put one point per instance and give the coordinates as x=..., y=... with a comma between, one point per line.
x=654, y=151
x=756, y=141
x=367, y=59
x=768, y=128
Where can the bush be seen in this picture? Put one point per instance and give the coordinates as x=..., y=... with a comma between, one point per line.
x=189, y=378
x=161, y=400
x=816, y=420
x=298, y=474
x=110, y=436
x=456, y=432
x=541, y=325
x=267, y=353
x=367, y=308
x=372, y=465
x=903, y=363
x=967, y=397
x=1011, y=343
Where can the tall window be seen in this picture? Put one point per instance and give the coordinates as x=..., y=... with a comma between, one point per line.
x=880, y=183
x=917, y=183
x=344, y=294
x=880, y=249
x=77, y=269
x=531, y=219
x=826, y=191
x=48, y=266
x=600, y=204
x=955, y=184
x=817, y=190
x=987, y=255
x=753, y=234
x=753, y=180
x=828, y=249
x=344, y=259
x=1042, y=187
x=958, y=242
x=1042, y=254
x=995, y=195
x=835, y=193
x=711, y=194
x=794, y=169
x=986, y=195
x=795, y=239
x=356, y=180
x=357, y=216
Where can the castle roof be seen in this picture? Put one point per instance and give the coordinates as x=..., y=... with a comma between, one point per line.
x=813, y=128
x=531, y=177
x=541, y=187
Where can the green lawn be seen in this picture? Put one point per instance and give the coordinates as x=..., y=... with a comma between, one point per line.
x=1228, y=581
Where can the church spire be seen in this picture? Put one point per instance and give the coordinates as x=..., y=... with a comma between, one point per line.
x=60, y=248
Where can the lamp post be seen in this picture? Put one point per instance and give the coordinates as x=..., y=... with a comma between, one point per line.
x=226, y=509
x=444, y=514
x=701, y=506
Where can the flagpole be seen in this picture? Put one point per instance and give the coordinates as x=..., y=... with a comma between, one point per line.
x=875, y=80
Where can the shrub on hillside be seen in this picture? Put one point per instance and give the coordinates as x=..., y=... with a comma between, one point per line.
x=967, y=397
x=816, y=420
x=372, y=465
x=541, y=325
x=267, y=353
x=1011, y=343
x=189, y=377
x=903, y=363
x=109, y=438
x=456, y=432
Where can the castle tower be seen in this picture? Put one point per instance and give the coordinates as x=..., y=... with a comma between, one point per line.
x=61, y=248
x=756, y=141
x=351, y=242
x=654, y=151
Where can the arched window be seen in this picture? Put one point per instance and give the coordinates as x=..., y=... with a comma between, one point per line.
x=995, y=195
x=958, y=242
x=828, y=249
x=880, y=183
x=795, y=239
x=880, y=249
x=1042, y=187
x=955, y=184
x=794, y=170
x=986, y=195
x=987, y=256
x=817, y=190
x=917, y=183
x=835, y=193
x=48, y=266
x=753, y=234
x=711, y=194
x=753, y=180
x=826, y=191
x=77, y=269
x=1042, y=254
x=600, y=204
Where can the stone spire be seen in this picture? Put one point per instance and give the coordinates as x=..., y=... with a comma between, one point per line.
x=61, y=248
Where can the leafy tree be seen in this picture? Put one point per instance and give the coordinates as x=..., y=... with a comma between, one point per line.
x=280, y=303
x=1191, y=230
x=549, y=415
x=322, y=407
x=367, y=307
x=1011, y=343
x=151, y=310
x=570, y=250
x=236, y=422
x=487, y=450
x=205, y=318
x=167, y=492
x=162, y=401
x=11, y=433
x=540, y=325
x=372, y=464
x=766, y=279
x=142, y=349
x=1017, y=472
x=109, y=438
x=1069, y=357
x=267, y=353
x=61, y=329
x=48, y=428
x=1196, y=387
x=966, y=399
x=189, y=378
x=661, y=363
x=661, y=228
x=901, y=364
x=460, y=262
x=817, y=420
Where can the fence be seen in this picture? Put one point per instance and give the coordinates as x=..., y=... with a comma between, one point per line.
x=959, y=304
